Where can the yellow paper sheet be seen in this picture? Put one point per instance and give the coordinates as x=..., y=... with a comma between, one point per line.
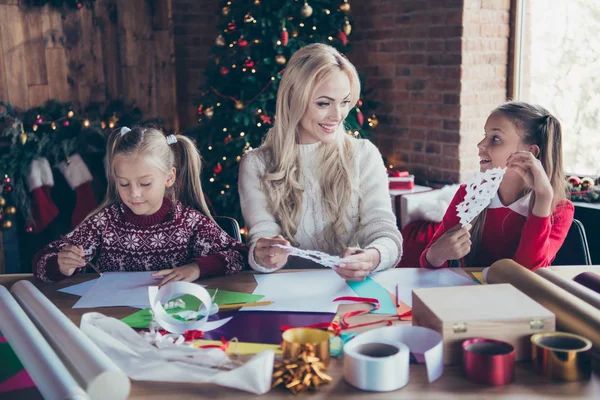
x=479, y=277
x=241, y=348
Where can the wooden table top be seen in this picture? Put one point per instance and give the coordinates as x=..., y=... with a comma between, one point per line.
x=452, y=385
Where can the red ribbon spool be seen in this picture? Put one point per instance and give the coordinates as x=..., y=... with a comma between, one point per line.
x=488, y=361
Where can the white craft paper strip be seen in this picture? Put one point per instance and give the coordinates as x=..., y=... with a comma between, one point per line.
x=386, y=373
x=316, y=256
x=50, y=375
x=119, y=289
x=143, y=361
x=92, y=369
x=175, y=289
x=480, y=192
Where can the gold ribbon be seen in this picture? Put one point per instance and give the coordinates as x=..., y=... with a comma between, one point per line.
x=562, y=356
x=296, y=340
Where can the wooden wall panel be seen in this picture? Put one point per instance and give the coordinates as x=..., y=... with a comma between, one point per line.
x=119, y=49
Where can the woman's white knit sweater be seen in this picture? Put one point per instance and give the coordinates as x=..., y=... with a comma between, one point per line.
x=371, y=221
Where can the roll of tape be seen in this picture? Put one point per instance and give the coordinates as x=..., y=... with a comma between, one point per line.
x=295, y=341
x=378, y=360
x=488, y=361
x=562, y=356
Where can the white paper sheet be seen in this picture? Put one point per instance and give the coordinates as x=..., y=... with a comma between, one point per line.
x=79, y=289
x=119, y=289
x=413, y=278
x=306, y=291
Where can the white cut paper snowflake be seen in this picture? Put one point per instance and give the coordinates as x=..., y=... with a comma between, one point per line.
x=316, y=256
x=480, y=192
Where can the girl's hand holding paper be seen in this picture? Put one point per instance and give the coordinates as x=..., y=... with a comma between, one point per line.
x=186, y=273
x=452, y=245
x=359, y=263
x=268, y=255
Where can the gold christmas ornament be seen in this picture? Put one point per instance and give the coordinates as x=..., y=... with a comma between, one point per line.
x=2, y=201
x=373, y=121
x=225, y=11
x=345, y=6
x=70, y=114
x=10, y=210
x=306, y=10
x=209, y=112
x=239, y=105
x=280, y=59
x=220, y=41
x=256, y=2
x=23, y=138
x=347, y=27
x=6, y=224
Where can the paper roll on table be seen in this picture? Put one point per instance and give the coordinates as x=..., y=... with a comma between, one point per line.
x=572, y=314
x=580, y=291
x=378, y=360
x=50, y=375
x=590, y=280
x=91, y=368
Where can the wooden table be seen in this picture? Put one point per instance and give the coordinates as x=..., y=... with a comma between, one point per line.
x=452, y=385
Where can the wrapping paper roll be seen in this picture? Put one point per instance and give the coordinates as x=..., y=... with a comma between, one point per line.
x=590, y=280
x=580, y=291
x=378, y=360
x=488, y=361
x=51, y=377
x=562, y=356
x=93, y=370
x=572, y=314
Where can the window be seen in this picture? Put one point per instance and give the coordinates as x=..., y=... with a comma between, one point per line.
x=557, y=65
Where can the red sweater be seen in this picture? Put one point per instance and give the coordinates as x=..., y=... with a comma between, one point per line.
x=119, y=240
x=509, y=233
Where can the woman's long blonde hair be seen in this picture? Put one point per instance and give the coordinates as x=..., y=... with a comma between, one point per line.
x=536, y=126
x=307, y=68
x=152, y=145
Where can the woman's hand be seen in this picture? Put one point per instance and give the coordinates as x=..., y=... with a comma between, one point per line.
x=268, y=256
x=186, y=273
x=70, y=259
x=364, y=262
x=452, y=245
x=531, y=170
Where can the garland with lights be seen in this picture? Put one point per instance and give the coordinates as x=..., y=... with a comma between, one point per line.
x=73, y=4
x=54, y=131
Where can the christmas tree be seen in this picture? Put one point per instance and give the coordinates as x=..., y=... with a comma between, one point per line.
x=254, y=41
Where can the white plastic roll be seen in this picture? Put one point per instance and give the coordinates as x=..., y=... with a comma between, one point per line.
x=96, y=373
x=378, y=360
x=50, y=375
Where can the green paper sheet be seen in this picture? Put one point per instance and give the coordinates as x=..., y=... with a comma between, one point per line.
x=9, y=362
x=141, y=319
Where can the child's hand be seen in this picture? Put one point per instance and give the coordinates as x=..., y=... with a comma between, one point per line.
x=70, y=258
x=187, y=273
x=452, y=245
x=366, y=261
x=268, y=256
x=532, y=172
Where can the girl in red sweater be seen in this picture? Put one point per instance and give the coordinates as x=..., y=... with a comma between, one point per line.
x=529, y=218
x=149, y=220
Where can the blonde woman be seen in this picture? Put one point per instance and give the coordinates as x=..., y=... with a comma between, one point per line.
x=312, y=185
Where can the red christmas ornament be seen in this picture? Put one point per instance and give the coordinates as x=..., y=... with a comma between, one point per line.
x=360, y=117
x=218, y=169
x=574, y=180
x=6, y=180
x=242, y=43
x=7, y=189
x=66, y=123
x=223, y=70
x=231, y=26
x=284, y=36
x=29, y=229
x=266, y=119
x=249, y=63
x=39, y=121
x=200, y=110
x=359, y=103
x=343, y=38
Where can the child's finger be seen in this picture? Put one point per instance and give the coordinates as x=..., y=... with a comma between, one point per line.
x=167, y=279
x=162, y=272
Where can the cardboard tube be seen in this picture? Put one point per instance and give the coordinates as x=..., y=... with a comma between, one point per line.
x=572, y=314
x=590, y=280
x=585, y=294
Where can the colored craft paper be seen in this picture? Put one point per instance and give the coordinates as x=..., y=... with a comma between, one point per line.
x=263, y=327
x=9, y=362
x=141, y=319
x=403, y=280
x=20, y=380
x=305, y=291
x=79, y=289
x=479, y=277
x=241, y=348
x=372, y=289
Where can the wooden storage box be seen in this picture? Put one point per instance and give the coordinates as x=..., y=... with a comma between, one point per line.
x=499, y=312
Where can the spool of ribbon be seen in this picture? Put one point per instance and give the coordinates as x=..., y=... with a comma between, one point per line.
x=562, y=356
x=171, y=290
x=378, y=360
x=488, y=361
x=295, y=340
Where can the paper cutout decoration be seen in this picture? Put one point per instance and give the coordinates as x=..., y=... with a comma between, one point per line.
x=371, y=289
x=480, y=192
x=316, y=256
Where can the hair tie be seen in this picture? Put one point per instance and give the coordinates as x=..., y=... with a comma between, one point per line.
x=124, y=130
x=171, y=139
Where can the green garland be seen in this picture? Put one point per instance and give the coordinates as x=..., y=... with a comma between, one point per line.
x=55, y=131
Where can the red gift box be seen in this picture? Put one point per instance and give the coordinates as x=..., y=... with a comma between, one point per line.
x=402, y=182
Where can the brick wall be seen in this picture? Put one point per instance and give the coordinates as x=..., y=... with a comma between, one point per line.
x=438, y=67
x=194, y=25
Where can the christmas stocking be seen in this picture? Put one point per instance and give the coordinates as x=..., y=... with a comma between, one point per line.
x=78, y=177
x=39, y=182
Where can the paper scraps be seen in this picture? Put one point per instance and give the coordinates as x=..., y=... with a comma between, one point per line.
x=480, y=192
x=316, y=256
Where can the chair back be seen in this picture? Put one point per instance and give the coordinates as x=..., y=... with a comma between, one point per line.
x=575, y=249
x=230, y=226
